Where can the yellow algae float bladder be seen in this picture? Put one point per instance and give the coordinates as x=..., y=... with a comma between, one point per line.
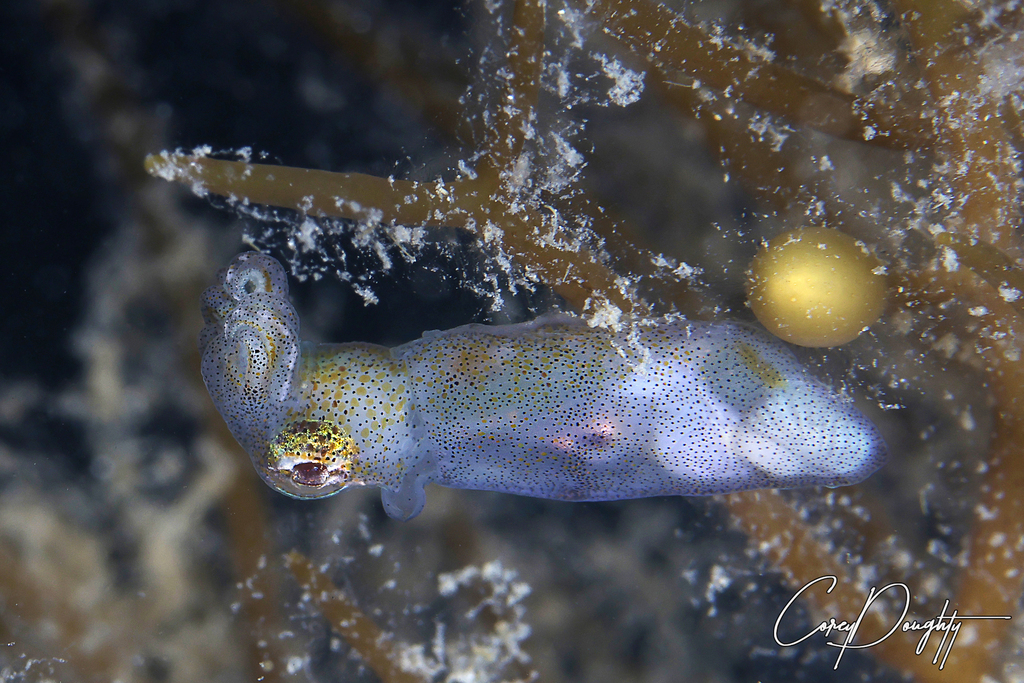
x=816, y=287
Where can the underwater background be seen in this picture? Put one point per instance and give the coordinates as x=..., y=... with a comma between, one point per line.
x=138, y=544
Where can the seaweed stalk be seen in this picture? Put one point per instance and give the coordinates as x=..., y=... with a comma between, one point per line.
x=364, y=636
x=675, y=47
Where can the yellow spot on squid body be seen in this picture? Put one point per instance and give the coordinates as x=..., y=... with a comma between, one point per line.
x=765, y=371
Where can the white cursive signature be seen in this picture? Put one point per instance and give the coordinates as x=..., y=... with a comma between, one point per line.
x=948, y=624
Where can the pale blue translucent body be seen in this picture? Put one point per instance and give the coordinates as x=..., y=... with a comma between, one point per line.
x=552, y=408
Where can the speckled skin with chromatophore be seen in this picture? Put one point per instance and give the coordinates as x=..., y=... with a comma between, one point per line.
x=552, y=409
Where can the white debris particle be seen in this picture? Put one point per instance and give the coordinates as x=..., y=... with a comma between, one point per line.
x=294, y=665
x=867, y=54
x=437, y=642
x=977, y=311
x=629, y=84
x=898, y=194
x=368, y=296
x=985, y=514
x=163, y=167
x=364, y=527
x=518, y=176
x=562, y=83
x=902, y=322
x=606, y=315
x=414, y=659
x=949, y=260
x=717, y=582
x=902, y=559
x=465, y=170
x=573, y=20
x=565, y=166
x=518, y=591
x=825, y=164
x=681, y=270
x=449, y=582
x=306, y=234
x=376, y=549
x=997, y=539
x=567, y=152
x=1009, y=294
x=765, y=127
x=967, y=422
x=491, y=234
x=869, y=132
x=404, y=236
x=760, y=53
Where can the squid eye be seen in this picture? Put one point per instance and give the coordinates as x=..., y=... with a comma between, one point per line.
x=309, y=474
